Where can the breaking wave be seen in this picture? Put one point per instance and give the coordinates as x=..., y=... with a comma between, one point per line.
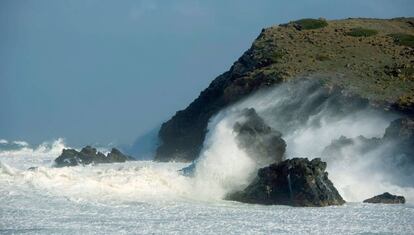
x=309, y=117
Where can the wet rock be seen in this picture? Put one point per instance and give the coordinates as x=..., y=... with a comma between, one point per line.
x=263, y=144
x=294, y=182
x=386, y=198
x=360, y=144
x=188, y=170
x=89, y=155
x=401, y=129
x=394, y=152
x=272, y=59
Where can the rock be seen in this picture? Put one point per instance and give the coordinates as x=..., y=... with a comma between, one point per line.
x=294, y=182
x=89, y=155
x=258, y=139
x=260, y=142
x=269, y=61
x=386, y=198
x=188, y=170
x=360, y=144
x=393, y=153
x=401, y=129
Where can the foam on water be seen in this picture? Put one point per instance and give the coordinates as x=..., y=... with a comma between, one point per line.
x=148, y=197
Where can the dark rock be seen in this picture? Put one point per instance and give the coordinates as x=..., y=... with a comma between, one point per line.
x=258, y=139
x=394, y=152
x=269, y=61
x=188, y=170
x=33, y=168
x=260, y=142
x=386, y=198
x=401, y=129
x=294, y=182
x=183, y=135
x=360, y=144
x=88, y=155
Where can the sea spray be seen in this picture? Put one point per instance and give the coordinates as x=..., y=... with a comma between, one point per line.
x=309, y=117
x=223, y=166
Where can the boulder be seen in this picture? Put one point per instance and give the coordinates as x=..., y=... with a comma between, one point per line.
x=293, y=182
x=386, y=198
x=260, y=142
x=89, y=155
x=253, y=135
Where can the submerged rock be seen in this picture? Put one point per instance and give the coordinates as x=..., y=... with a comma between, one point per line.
x=263, y=144
x=294, y=182
x=89, y=155
x=386, y=198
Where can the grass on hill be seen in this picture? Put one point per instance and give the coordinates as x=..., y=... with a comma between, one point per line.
x=403, y=39
x=362, y=32
x=306, y=24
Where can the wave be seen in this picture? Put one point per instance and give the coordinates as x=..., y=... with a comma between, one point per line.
x=23, y=156
x=309, y=117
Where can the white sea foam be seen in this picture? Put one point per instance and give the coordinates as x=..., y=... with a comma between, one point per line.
x=315, y=123
x=147, y=194
x=223, y=167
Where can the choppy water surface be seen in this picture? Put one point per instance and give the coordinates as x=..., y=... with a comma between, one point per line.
x=148, y=198
x=144, y=197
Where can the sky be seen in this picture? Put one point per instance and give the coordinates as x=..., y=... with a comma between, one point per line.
x=101, y=72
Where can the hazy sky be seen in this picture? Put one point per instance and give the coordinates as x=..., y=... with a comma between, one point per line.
x=108, y=71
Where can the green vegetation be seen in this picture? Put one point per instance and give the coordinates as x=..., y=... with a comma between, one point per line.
x=403, y=39
x=305, y=24
x=408, y=72
x=322, y=57
x=362, y=32
x=277, y=55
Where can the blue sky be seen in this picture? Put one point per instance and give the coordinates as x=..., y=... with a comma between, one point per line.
x=109, y=71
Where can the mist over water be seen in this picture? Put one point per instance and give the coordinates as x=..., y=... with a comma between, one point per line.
x=309, y=117
x=143, y=193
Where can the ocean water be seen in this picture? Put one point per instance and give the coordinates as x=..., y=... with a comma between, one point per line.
x=145, y=197
x=152, y=198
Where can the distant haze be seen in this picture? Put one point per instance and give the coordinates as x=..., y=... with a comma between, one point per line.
x=109, y=71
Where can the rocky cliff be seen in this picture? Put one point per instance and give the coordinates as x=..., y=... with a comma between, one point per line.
x=368, y=58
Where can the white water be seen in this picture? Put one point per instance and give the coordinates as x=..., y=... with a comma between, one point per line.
x=152, y=198
x=144, y=197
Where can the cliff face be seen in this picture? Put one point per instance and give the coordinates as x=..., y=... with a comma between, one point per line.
x=369, y=58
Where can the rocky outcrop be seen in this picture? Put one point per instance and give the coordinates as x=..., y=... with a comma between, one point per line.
x=393, y=152
x=386, y=198
x=89, y=155
x=294, y=182
x=280, y=53
x=263, y=144
x=260, y=142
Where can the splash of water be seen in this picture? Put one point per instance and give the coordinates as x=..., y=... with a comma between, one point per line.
x=309, y=117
